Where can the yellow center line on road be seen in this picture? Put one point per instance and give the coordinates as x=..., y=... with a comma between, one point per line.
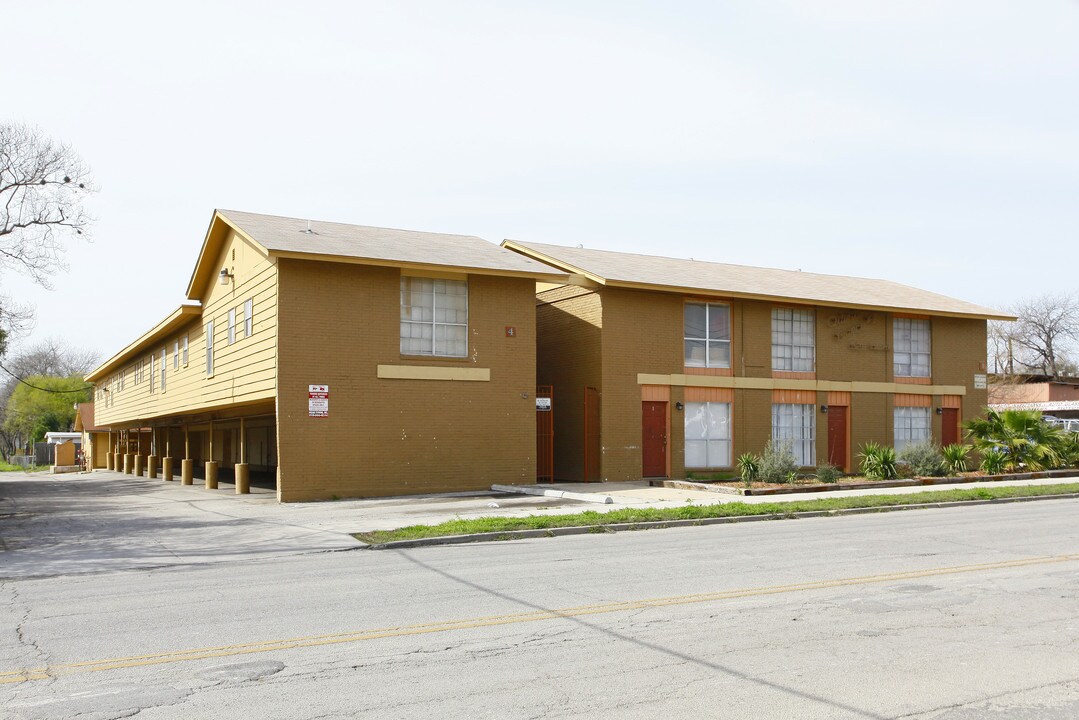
x=19, y=676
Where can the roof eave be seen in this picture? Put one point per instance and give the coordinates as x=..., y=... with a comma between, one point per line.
x=176, y=318
x=211, y=247
x=468, y=269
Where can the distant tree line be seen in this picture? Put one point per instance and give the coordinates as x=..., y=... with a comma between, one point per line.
x=1043, y=341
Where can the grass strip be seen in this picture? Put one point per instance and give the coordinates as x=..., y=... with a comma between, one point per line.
x=591, y=518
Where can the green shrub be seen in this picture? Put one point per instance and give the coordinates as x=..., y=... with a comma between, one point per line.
x=904, y=470
x=749, y=467
x=827, y=473
x=956, y=458
x=1025, y=441
x=994, y=461
x=777, y=462
x=923, y=457
x=878, y=462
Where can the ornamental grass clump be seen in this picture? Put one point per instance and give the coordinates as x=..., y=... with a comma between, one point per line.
x=777, y=462
x=749, y=467
x=878, y=462
x=924, y=459
x=956, y=458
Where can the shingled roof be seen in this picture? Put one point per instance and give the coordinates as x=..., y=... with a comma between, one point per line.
x=617, y=269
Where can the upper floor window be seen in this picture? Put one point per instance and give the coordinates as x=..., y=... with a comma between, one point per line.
x=176, y=355
x=912, y=351
x=210, y=348
x=707, y=334
x=232, y=325
x=249, y=318
x=185, y=350
x=151, y=373
x=793, y=340
x=434, y=317
x=164, y=357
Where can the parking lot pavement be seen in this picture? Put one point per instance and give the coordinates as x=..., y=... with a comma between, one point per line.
x=104, y=521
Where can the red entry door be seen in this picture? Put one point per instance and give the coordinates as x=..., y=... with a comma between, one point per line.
x=837, y=436
x=654, y=441
x=949, y=426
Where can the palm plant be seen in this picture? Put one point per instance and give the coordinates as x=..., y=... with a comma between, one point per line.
x=1021, y=436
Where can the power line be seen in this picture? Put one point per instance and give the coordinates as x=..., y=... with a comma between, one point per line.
x=58, y=392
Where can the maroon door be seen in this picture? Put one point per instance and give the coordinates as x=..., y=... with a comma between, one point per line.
x=654, y=447
x=837, y=436
x=949, y=426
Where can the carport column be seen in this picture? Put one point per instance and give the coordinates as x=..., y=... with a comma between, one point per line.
x=110, y=459
x=138, y=454
x=243, y=476
x=187, y=465
x=166, y=462
x=211, y=465
x=151, y=462
x=129, y=457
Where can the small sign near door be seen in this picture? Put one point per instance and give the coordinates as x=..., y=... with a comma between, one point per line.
x=979, y=382
x=543, y=404
x=318, y=400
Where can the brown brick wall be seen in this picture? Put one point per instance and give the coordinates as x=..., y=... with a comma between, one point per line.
x=338, y=322
x=568, y=321
x=642, y=333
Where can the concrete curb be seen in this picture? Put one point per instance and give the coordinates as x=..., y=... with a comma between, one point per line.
x=532, y=490
x=660, y=524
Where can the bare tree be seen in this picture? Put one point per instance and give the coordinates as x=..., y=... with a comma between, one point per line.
x=1044, y=339
x=42, y=186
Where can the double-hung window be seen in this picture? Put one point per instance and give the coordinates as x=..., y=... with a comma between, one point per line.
x=434, y=317
x=249, y=318
x=793, y=344
x=912, y=425
x=708, y=434
x=707, y=335
x=210, y=348
x=151, y=373
x=912, y=347
x=796, y=425
x=164, y=366
x=176, y=355
x=232, y=325
x=185, y=350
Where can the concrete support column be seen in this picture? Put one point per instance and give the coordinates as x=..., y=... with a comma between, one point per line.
x=187, y=471
x=110, y=460
x=129, y=463
x=243, y=478
x=151, y=467
x=211, y=475
x=166, y=469
x=138, y=464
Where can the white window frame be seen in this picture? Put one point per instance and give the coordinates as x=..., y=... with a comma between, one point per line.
x=176, y=354
x=708, y=341
x=151, y=373
x=791, y=329
x=232, y=326
x=249, y=318
x=164, y=365
x=911, y=425
x=185, y=350
x=711, y=423
x=904, y=342
x=800, y=431
x=210, y=348
x=409, y=326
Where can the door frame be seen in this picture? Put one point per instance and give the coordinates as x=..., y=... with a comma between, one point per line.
x=666, y=437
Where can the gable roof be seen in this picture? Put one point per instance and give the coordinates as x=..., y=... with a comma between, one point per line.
x=84, y=418
x=339, y=242
x=649, y=272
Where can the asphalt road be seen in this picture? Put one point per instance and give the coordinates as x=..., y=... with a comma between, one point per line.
x=951, y=614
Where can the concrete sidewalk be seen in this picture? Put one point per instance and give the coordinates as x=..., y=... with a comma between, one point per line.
x=106, y=521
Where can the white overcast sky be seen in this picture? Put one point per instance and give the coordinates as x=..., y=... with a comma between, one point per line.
x=931, y=142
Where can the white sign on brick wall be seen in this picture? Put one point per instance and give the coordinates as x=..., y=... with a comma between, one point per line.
x=318, y=400
x=979, y=382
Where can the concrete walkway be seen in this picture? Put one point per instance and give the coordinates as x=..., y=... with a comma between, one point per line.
x=106, y=521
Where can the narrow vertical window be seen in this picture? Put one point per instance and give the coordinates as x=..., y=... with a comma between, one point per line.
x=185, y=350
x=249, y=318
x=176, y=355
x=151, y=374
x=232, y=325
x=210, y=348
x=164, y=365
